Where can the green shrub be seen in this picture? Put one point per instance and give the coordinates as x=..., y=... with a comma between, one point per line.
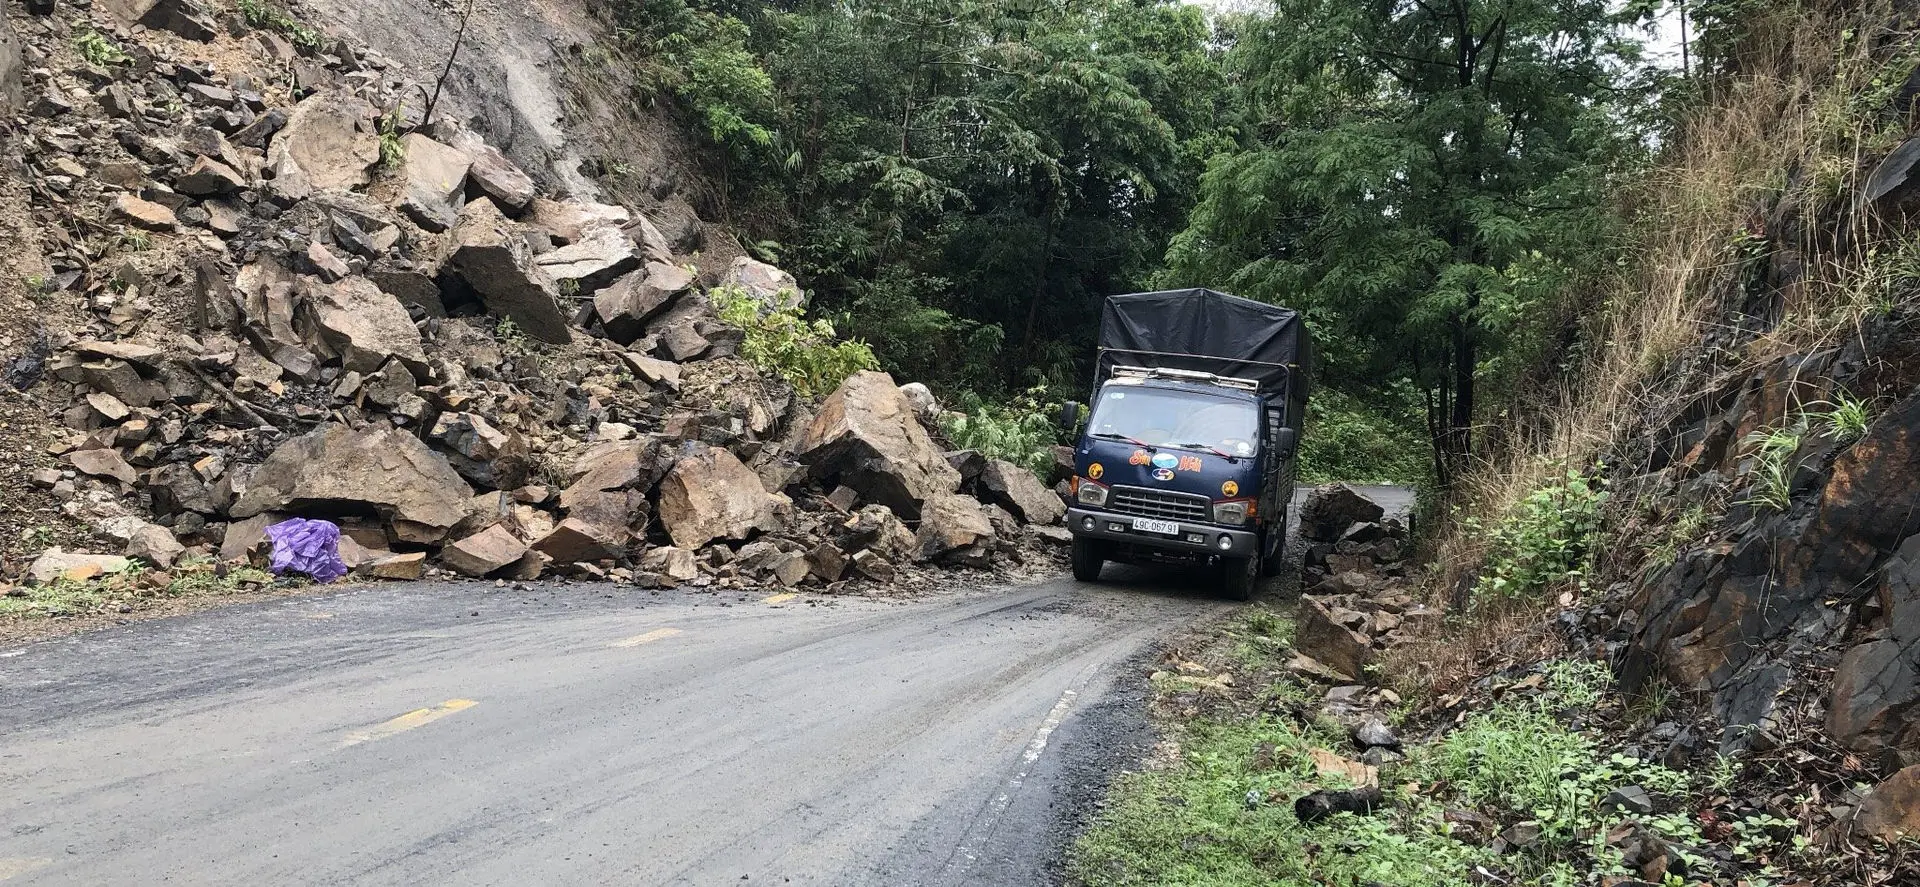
x=98, y=49
x=1021, y=431
x=809, y=355
x=264, y=14
x=1354, y=440
x=1546, y=538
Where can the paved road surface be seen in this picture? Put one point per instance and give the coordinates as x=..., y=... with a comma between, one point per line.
x=583, y=735
x=463, y=734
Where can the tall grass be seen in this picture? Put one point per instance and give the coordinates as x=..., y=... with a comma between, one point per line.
x=1768, y=161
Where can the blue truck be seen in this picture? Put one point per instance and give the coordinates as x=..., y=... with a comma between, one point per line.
x=1188, y=452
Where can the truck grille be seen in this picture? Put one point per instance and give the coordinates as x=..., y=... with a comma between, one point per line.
x=1160, y=504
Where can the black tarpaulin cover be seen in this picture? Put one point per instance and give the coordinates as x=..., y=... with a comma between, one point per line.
x=1211, y=332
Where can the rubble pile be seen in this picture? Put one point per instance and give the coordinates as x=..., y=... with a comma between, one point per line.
x=303, y=300
x=1358, y=599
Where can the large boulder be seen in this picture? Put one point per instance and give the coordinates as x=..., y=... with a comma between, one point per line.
x=627, y=305
x=954, y=526
x=711, y=495
x=602, y=255
x=770, y=286
x=362, y=324
x=486, y=455
x=1330, y=510
x=867, y=436
x=491, y=254
x=1019, y=491
x=434, y=178
x=380, y=470
x=326, y=145
x=485, y=552
x=626, y=465
x=1892, y=812
x=1324, y=639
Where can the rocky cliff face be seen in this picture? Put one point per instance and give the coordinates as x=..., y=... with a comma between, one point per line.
x=265, y=288
x=10, y=64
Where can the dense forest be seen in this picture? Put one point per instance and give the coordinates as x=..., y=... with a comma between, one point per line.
x=1439, y=184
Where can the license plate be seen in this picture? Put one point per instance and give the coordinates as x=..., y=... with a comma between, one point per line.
x=1163, y=527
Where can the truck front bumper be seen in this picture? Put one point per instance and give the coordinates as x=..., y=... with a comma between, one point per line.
x=1194, y=538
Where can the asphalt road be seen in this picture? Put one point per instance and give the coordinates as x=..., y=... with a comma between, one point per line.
x=579, y=735
x=435, y=734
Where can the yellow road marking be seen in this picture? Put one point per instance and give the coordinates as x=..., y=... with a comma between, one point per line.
x=780, y=598
x=16, y=866
x=648, y=638
x=416, y=718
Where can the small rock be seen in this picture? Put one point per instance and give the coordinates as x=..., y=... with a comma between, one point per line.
x=1632, y=799
x=145, y=213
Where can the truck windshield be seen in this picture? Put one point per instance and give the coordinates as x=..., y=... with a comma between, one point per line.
x=1176, y=419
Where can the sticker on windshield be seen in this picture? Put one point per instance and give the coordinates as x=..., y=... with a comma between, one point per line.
x=1166, y=460
x=1139, y=457
x=1189, y=463
x=1163, y=474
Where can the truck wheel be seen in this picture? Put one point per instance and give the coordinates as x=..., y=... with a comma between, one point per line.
x=1273, y=556
x=1240, y=577
x=1088, y=557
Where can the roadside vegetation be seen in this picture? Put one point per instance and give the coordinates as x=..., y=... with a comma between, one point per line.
x=130, y=589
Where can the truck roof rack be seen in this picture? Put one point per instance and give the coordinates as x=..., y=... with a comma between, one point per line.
x=1134, y=372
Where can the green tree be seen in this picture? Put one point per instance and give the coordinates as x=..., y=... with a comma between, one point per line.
x=1424, y=177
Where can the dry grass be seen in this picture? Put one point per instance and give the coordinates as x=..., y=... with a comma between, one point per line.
x=1766, y=165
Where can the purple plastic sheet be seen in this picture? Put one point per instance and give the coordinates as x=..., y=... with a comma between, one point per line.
x=307, y=546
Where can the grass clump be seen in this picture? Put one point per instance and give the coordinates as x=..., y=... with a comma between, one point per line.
x=1772, y=451
x=808, y=354
x=262, y=14
x=192, y=577
x=1021, y=431
x=99, y=49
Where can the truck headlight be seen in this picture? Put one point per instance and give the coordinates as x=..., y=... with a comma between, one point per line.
x=1091, y=493
x=1230, y=513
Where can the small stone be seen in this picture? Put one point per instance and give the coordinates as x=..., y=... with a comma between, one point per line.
x=209, y=178
x=1632, y=799
x=145, y=213
x=403, y=567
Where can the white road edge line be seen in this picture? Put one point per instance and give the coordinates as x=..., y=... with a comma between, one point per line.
x=989, y=818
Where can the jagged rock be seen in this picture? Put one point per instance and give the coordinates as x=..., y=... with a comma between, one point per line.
x=627, y=305
x=498, y=178
x=262, y=129
x=55, y=565
x=491, y=255
x=709, y=494
x=182, y=17
x=866, y=435
x=1330, y=510
x=1373, y=733
x=921, y=398
x=1892, y=812
x=610, y=467
x=677, y=564
x=579, y=541
x=407, y=567
x=155, y=545
x=653, y=371
x=952, y=524
x=323, y=147
x=1876, y=688
x=827, y=562
x=435, y=178
x=970, y=463
x=874, y=565
x=104, y=463
x=1322, y=638
x=209, y=178
x=329, y=267
x=1016, y=489
x=145, y=213
x=770, y=286
x=484, y=553
x=1632, y=798
x=176, y=488
x=365, y=326
x=482, y=453
x=569, y=220
x=378, y=470
x=109, y=407
x=600, y=257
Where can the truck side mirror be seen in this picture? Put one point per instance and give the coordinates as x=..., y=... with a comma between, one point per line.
x=1069, y=417
x=1285, y=441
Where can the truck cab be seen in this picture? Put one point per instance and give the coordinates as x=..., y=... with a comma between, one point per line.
x=1183, y=465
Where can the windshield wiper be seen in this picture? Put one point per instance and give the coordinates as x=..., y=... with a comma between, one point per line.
x=1108, y=435
x=1211, y=449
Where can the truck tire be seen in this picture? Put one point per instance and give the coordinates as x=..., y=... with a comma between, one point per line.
x=1089, y=556
x=1273, y=552
x=1240, y=577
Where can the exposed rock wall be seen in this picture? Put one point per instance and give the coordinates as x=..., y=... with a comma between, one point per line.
x=10, y=64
